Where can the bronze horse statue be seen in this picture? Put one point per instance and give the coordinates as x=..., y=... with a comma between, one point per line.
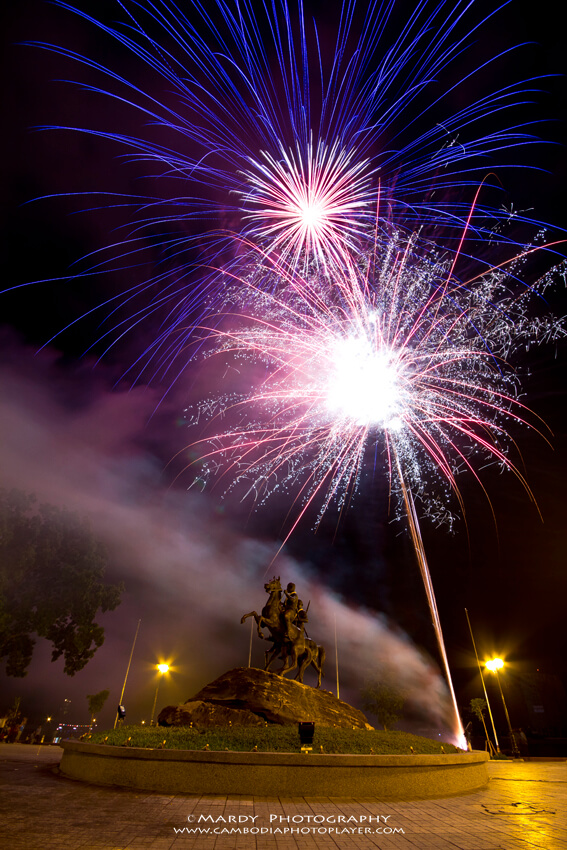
x=271, y=612
x=300, y=652
x=297, y=650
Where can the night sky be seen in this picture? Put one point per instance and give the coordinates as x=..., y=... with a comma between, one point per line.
x=77, y=433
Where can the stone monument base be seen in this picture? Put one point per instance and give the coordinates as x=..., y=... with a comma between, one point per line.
x=276, y=774
x=247, y=696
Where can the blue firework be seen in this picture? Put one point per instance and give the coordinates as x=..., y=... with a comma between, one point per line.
x=294, y=134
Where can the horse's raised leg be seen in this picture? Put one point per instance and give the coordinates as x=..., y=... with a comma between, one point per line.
x=260, y=622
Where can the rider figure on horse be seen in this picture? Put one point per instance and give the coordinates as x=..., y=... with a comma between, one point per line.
x=286, y=623
x=290, y=608
x=301, y=618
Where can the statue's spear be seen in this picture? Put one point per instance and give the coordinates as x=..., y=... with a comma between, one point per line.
x=306, y=610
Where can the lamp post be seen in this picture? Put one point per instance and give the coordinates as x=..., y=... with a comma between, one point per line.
x=494, y=665
x=162, y=668
x=483, y=685
x=120, y=713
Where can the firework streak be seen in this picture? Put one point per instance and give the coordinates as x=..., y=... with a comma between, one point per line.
x=393, y=349
x=257, y=120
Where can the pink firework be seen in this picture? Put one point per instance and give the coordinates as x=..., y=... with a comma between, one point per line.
x=394, y=352
x=310, y=205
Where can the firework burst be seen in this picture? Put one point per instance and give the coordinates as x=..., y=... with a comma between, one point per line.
x=394, y=353
x=263, y=123
x=391, y=356
x=316, y=209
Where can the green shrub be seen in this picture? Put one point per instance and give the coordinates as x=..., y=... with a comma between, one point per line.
x=272, y=738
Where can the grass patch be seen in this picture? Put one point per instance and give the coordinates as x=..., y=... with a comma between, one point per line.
x=284, y=739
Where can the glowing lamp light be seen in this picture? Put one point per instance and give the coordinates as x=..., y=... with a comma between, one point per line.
x=162, y=669
x=494, y=665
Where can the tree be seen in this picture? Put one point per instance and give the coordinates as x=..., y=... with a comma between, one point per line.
x=478, y=707
x=14, y=712
x=51, y=571
x=384, y=699
x=96, y=702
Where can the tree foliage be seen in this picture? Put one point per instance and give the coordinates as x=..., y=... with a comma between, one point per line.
x=478, y=707
x=14, y=712
x=96, y=702
x=51, y=583
x=385, y=700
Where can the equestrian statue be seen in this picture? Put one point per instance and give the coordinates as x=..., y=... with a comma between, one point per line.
x=285, y=620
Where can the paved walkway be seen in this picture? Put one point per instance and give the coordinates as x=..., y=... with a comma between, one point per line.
x=524, y=807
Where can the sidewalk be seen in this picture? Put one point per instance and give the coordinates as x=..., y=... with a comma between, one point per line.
x=524, y=807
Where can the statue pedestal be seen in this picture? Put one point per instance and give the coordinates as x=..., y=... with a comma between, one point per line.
x=247, y=696
x=275, y=774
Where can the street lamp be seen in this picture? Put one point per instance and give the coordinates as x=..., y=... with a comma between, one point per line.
x=162, y=668
x=494, y=665
x=484, y=689
x=121, y=712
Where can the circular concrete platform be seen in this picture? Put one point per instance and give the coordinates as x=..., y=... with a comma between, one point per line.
x=275, y=774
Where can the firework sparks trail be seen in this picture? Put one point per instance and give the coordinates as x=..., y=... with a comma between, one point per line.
x=415, y=532
x=285, y=133
x=395, y=347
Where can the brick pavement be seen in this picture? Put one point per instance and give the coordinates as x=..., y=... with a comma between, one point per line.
x=524, y=807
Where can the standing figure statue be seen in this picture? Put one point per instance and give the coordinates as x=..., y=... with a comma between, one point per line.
x=286, y=623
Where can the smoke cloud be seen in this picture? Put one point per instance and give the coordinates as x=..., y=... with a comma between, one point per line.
x=190, y=573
